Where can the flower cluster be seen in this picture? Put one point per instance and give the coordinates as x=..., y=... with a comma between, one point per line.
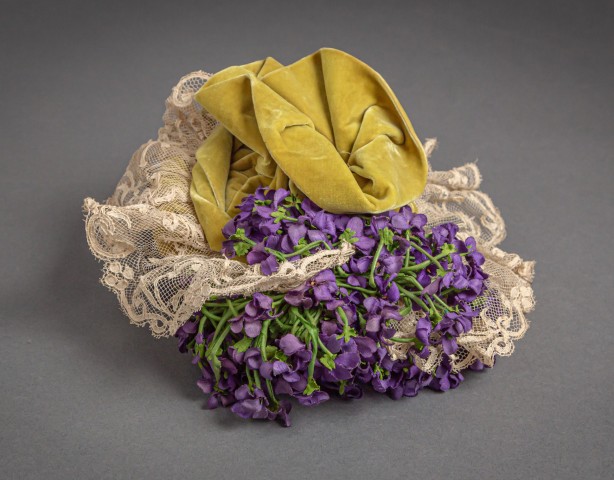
x=330, y=334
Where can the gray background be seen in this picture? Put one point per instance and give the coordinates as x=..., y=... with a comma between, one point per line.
x=526, y=87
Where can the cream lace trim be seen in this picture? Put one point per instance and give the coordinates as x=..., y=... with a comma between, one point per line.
x=157, y=261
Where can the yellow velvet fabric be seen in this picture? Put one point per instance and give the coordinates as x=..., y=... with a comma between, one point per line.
x=328, y=127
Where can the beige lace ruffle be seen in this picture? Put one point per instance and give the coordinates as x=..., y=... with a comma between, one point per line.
x=158, y=264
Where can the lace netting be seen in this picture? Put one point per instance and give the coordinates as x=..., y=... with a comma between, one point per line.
x=157, y=262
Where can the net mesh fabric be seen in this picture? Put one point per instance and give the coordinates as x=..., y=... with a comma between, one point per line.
x=156, y=260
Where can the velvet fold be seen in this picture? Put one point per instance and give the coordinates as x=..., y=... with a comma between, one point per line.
x=327, y=126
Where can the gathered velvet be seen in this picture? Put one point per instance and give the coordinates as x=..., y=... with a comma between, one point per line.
x=328, y=127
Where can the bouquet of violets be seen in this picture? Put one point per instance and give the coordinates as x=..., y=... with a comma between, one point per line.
x=332, y=334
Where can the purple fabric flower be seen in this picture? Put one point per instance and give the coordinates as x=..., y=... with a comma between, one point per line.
x=282, y=415
x=362, y=242
x=315, y=398
x=352, y=391
x=185, y=334
x=267, y=261
x=250, y=404
x=290, y=344
x=345, y=363
x=299, y=298
x=415, y=381
x=324, y=286
x=423, y=330
x=379, y=311
x=444, y=379
x=319, y=289
x=256, y=311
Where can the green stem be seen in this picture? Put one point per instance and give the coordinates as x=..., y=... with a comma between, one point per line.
x=206, y=311
x=415, y=282
x=402, y=340
x=263, y=338
x=269, y=386
x=323, y=347
x=312, y=362
x=341, y=273
x=443, y=304
x=302, y=250
x=250, y=382
x=426, y=263
x=218, y=341
x=257, y=379
x=312, y=321
x=412, y=298
x=361, y=321
x=378, y=252
x=314, y=332
x=219, y=337
x=420, y=287
x=282, y=325
x=346, y=325
x=263, y=341
x=406, y=260
x=294, y=328
x=243, y=238
x=278, y=300
x=238, y=304
x=358, y=289
x=426, y=254
x=232, y=308
x=201, y=325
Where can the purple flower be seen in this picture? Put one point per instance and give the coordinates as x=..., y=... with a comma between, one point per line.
x=268, y=262
x=415, y=380
x=363, y=243
x=444, y=233
x=290, y=344
x=378, y=312
x=299, y=297
x=325, y=223
x=360, y=265
x=390, y=264
x=444, y=379
x=477, y=366
x=432, y=288
x=269, y=370
x=344, y=364
x=256, y=311
x=207, y=381
x=449, y=344
x=310, y=208
x=423, y=330
x=282, y=415
x=185, y=333
x=250, y=404
x=253, y=358
x=315, y=398
x=259, y=306
x=324, y=285
x=319, y=289
x=379, y=222
x=474, y=256
x=216, y=399
x=296, y=233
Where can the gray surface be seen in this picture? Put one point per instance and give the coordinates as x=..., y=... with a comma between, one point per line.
x=526, y=87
